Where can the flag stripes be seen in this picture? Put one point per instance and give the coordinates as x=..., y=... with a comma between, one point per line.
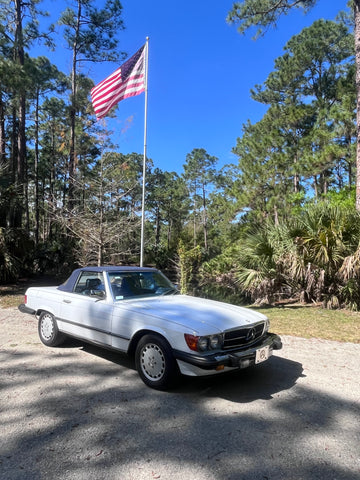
x=127, y=81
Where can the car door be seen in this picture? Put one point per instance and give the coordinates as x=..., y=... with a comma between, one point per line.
x=85, y=312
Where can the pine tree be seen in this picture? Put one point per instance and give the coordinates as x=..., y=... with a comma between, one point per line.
x=263, y=14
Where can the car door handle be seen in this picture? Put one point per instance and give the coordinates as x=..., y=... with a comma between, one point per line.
x=66, y=301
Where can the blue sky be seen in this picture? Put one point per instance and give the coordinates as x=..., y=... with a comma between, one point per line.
x=201, y=71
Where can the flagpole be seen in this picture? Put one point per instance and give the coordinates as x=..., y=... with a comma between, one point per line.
x=144, y=160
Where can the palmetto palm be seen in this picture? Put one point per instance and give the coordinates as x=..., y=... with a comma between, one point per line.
x=302, y=257
x=326, y=235
x=258, y=269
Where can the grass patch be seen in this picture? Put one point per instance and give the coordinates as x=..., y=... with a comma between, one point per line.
x=314, y=322
x=11, y=295
x=8, y=301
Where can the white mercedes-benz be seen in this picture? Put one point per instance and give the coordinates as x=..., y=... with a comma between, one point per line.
x=139, y=311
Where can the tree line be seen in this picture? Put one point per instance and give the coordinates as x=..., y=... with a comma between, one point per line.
x=279, y=224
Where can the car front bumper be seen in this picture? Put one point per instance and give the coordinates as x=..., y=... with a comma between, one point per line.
x=196, y=364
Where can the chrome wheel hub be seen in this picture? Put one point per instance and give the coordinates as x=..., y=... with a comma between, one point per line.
x=152, y=362
x=47, y=327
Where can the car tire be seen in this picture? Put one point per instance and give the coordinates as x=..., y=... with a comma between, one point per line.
x=155, y=362
x=48, y=330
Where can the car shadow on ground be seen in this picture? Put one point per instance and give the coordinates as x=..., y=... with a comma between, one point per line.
x=259, y=382
x=119, y=358
x=244, y=386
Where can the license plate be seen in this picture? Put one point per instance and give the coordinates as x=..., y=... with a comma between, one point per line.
x=262, y=354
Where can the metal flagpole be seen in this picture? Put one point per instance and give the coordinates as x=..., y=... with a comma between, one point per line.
x=144, y=160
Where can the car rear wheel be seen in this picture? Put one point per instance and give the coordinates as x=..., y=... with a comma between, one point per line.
x=48, y=330
x=155, y=362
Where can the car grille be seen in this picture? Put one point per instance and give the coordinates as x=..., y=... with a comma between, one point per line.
x=243, y=336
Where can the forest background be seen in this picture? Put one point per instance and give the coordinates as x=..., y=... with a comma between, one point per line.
x=279, y=224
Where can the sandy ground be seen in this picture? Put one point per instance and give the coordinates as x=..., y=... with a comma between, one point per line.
x=80, y=413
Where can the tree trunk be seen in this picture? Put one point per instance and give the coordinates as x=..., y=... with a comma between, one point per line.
x=316, y=187
x=2, y=132
x=36, y=168
x=296, y=177
x=276, y=216
x=204, y=216
x=169, y=231
x=357, y=62
x=72, y=155
x=21, y=138
x=3, y=167
x=157, y=227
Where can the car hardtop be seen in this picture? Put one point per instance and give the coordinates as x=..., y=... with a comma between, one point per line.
x=69, y=284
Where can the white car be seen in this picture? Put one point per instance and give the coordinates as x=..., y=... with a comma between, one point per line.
x=139, y=311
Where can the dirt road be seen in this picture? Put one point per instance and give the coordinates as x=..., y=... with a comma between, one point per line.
x=80, y=413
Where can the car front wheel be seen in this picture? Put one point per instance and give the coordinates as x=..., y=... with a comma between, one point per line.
x=48, y=330
x=155, y=362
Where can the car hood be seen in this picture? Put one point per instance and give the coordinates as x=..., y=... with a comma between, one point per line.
x=199, y=314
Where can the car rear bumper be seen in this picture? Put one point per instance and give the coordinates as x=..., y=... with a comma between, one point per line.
x=196, y=364
x=24, y=309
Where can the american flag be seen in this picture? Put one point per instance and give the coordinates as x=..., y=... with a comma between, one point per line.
x=127, y=81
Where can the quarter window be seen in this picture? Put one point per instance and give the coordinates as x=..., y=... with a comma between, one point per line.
x=90, y=283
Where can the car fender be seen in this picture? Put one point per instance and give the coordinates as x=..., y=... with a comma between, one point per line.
x=138, y=334
x=45, y=308
x=43, y=299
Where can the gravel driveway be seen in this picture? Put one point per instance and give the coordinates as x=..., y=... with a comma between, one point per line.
x=81, y=413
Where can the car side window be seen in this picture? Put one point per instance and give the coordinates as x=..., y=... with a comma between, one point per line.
x=90, y=284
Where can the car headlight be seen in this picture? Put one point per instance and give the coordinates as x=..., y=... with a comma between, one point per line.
x=215, y=342
x=204, y=343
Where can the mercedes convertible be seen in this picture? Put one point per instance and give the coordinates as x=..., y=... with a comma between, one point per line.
x=139, y=311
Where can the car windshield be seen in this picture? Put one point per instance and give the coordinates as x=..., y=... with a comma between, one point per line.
x=140, y=284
